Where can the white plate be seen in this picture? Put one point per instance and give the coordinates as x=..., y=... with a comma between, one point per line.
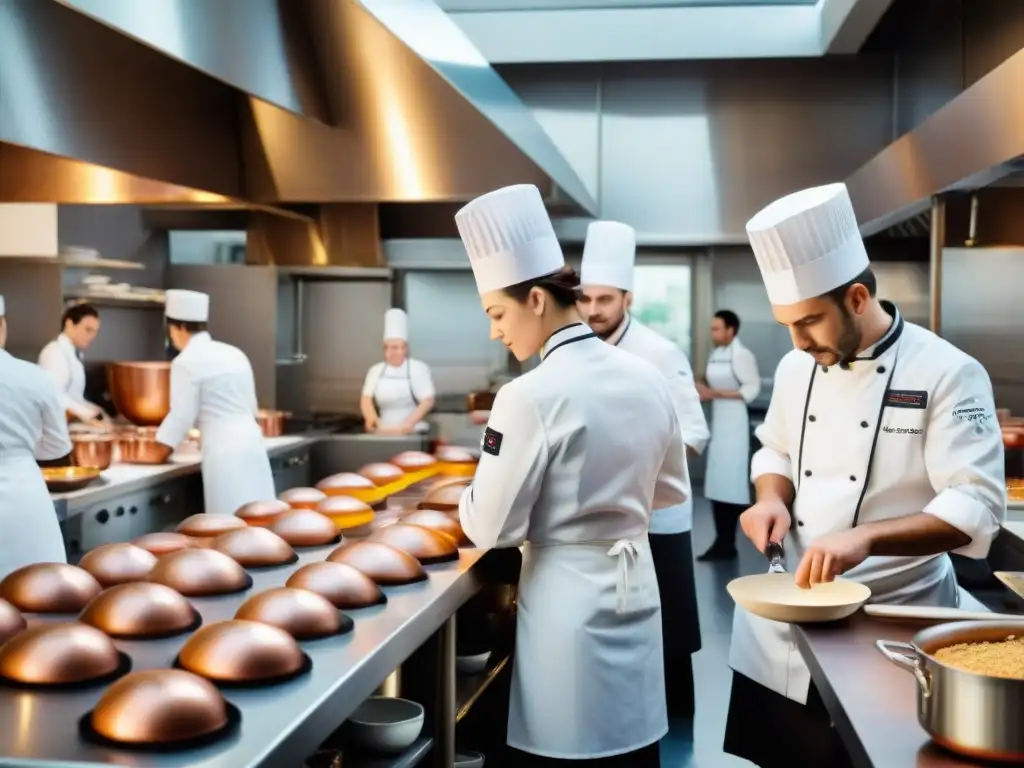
x=776, y=596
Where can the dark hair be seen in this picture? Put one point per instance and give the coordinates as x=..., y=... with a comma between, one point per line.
x=187, y=325
x=866, y=278
x=76, y=313
x=730, y=318
x=563, y=286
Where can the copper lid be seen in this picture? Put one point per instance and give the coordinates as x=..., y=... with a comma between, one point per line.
x=438, y=521
x=344, y=481
x=343, y=585
x=382, y=563
x=302, y=498
x=305, y=528
x=162, y=543
x=55, y=654
x=261, y=512
x=446, y=498
x=381, y=473
x=205, y=524
x=118, y=563
x=159, y=706
x=240, y=652
x=255, y=547
x=200, y=573
x=49, y=588
x=453, y=454
x=302, y=614
x=11, y=621
x=425, y=544
x=139, y=610
x=411, y=461
x=342, y=505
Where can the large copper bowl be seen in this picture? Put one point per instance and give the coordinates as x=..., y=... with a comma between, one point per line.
x=140, y=611
x=255, y=548
x=305, y=528
x=11, y=621
x=428, y=545
x=139, y=445
x=49, y=588
x=141, y=391
x=92, y=451
x=58, y=654
x=384, y=564
x=200, y=573
x=239, y=651
x=118, y=563
x=346, y=587
x=302, y=614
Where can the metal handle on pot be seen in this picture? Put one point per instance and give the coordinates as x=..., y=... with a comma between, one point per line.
x=905, y=656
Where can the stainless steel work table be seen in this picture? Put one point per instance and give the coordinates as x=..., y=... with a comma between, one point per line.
x=282, y=724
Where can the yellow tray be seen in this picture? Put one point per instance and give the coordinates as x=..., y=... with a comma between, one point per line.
x=460, y=469
x=348, y=520
x=380, y=493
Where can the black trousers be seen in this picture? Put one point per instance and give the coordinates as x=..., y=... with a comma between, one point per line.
x=648, y=757
x=772, y=731
x=726, y=518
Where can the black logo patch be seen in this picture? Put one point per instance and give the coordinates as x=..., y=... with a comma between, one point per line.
x=906, y=398
x=491, y=442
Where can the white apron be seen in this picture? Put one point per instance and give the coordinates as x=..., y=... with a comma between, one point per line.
x=29, y=531
x=394, y=398
x=236, y=467
x=727, y=475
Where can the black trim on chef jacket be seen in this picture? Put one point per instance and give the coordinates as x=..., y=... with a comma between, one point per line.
x=629, y=322
x=881, y=348
x=545, y=355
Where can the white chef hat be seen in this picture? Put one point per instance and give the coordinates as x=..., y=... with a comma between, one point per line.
x=187, y=306
x=3, y=307
x=807, y=244
x=396, y=324
x=608, y=255
x=509, y=238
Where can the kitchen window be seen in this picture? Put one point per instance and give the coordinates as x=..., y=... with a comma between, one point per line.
x=663, y=300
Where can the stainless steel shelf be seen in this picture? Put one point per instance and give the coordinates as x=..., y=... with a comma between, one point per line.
x=470, y=688
x=412, y=757
x=100, y=300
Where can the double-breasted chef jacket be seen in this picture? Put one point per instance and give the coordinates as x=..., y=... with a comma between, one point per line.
x=572, y=464
x=397, y=391
x=60, y=359
x=212, y=387
x=726, y=477
x=32, y=426
x=908, y=426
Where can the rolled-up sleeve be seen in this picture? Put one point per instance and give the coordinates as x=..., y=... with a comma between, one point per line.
x=184, y=407
x=54, y=442
x=964, y=458
x=52, y=360
x=422, y=381
x=745, y=368
x=372, y=377
x=495, y=509
x=692, y=423
x=773, y=458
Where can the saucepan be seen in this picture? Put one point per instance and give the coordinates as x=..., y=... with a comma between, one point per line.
x=970, y=686
x=92, y=450
x=272, y=422
x=140, y=446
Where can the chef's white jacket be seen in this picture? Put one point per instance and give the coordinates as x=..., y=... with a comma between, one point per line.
x=60, y=359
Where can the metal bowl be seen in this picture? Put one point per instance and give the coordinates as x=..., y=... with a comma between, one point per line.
x=200, y=573
x=140, y=446
x=67, y=479
x=11, y=621
x=239, y=651
x=384, y=564
x=255, y=547
x=381, y=473
x=346, y=587
x=413, y=461
x=425, y=544
x=261, y=512
x=92, y=451
x=141, y=391
x=58, y=654
x=305, y=528
x=118, y=563
x=49, y=588
x=438, y=521
x=302, y=614
x=444, y=498
x=208, y=524
x=344, y=483
x=302, y=498
x=163, y=542
x=139, y=610
x=272, y=422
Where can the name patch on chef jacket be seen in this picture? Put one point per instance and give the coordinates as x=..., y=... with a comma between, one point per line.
x=906, y=398
x=491, y=442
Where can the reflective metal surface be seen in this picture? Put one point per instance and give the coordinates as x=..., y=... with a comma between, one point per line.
x=199, y=573
x=305, y=528
x=11, y=621
x=385, y=564
x=52, y=654
x=344, y=586
x=303, y=614
x=206, y=524
x=92, y=451
x=49, y=588
x=254, y=547
x=140, y=446
x=381, y=473
x=118, y=563
x=241, y=651
x=428, y=545
x=141, y=391
x=67, y=479
x=139, y=610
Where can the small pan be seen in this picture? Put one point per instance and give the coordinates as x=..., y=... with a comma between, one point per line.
x=67, y=479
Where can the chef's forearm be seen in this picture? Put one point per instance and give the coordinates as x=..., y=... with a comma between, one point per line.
x=914, y=536
x=367, y=409
x=771, y=487
x=426, y=406
x=727, y=394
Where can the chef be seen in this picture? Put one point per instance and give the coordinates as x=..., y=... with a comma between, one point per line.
x=881, y=453
x=212, y=388
x=32, y=426
x=61, y=358
x=731, y=382
x=608, y=256
x=398, y=392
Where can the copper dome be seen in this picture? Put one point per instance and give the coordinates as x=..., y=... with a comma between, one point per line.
x=305, y=528
x=444, y=498
x=162, y=542
x=200, y=573
x=118, y=563
x=385, y=565
x=425, y=544
x=344, y=482
x=302, y=614
x=49, y=588
x=261, y=512
x=381, y=473
x=413, y=461
x=11, y=621
x=140, y=611
x=58, y=654
x=438, y=521
x=302, y=498
x=239, y=651
x=255, y=548
x=346, y=587
x=205, y=525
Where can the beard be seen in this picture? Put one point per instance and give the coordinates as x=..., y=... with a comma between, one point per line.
x=846, y=345
x=605, y=328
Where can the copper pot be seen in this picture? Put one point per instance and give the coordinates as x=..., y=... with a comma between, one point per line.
x=49, y=588
x=255, y=548
x=439, y=521
x=344, y=483
x=162, y=542
x=261, y=513
x=242, y=652
x=381, y=473
x=141, y=391
x=159, y=706
x=92, y=451
x=384, y=564
x=346, y=587
x=118, y=563
x=209, y=524
x=413, y=461
x=55, y=654
x=140, y=446
x=302, y=614
x=139, y=611
x=11, y=621
x=425, y=544
x=305, y=528
x=272, y=422
x=302, y=498
x=200, y=573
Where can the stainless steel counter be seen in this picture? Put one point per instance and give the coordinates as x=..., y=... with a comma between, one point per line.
x=281, y=724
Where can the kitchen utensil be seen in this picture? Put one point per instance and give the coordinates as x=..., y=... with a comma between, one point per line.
x=140, y=611
x=973, y=714
x=305, y=528
x=118, y=563
x=1012, y=579
x=68, y=479
x=11, y=621
x=302, y=614
x=91, y=450
x=49, y=588
x=344, y=586
x=162, y=542
x=469, y=759
x=444, y=498
x=239, y=651
x=302, y=498
x=425, y=544
x=141, y=391
x=272, y=422
x=261, y=513
x=255, y=548
x=384, y=564
x=381, y=473
x=384, y=724
x=206, y=524
x=776, y=596
x=346, y=484
x=776, y=557
x=346, y=512
x=59, y=654
x=931, y=614
x=140, y=446
x=438, y=521
x=201, y=573
x=413, y=461
x=472, y=664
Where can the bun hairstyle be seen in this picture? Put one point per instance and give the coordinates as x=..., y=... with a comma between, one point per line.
x=563, y=286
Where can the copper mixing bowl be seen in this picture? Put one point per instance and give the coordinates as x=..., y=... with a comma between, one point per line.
x=272, y=422
x=425, y=544
x=159, y=706
x=200, y=573
x=344, y=482
x=261, y=512
x=68, y=479
x=49, y=588
x=162, y=542
x=382, y=563
x=413, y=461
x=346, y=587
x=209, y=524
x=444, y=498
x=58, y=654
x=92, y=451
x=139, y=611
x=302, y=614
x=381, y=473
x=302, y=498
x=11, y=621
x=118, y=563
x=139, y=445
x=255, y=547
x=239, y=651
x=438, y=521
x=141, y=391
x=305, y=528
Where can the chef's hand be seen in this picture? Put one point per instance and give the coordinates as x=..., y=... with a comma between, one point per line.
x=371, y=423
x=766, y=521
x=705, y=392
x=832, y=555
x=407, y=427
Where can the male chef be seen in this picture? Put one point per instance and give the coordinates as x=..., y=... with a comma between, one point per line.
x=881, y=453
x=607, y=284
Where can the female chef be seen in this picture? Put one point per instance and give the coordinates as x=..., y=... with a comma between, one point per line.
x=732, y=382
x=60, y=358
x=572, y=463
x=212, y=387
x=32, y=426
x=398, y=392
